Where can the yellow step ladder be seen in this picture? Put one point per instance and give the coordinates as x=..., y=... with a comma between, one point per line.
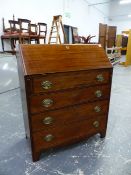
x=128, y=53
x=55, y=31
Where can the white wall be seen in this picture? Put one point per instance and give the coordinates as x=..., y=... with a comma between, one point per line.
x=76, y=13
x=119, y=16
x=86, y=18
x=122, y=25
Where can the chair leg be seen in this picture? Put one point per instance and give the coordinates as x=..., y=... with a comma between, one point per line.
x=20, y=41
x=2, y=42
x=29, y=40
x=12, y=44
x=38, y=41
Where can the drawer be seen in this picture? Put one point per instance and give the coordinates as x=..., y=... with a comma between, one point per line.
x=51, y=101
x=68, y=115
x=69, y=133
x=58, y=81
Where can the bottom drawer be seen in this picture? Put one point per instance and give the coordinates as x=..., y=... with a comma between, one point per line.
x=67, y=134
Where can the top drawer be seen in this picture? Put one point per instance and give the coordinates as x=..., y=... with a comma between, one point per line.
x=58, y=81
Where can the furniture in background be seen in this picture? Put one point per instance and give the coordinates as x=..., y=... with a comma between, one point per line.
x=74, y=38
x=3, y=25
x=114, y=54
x=122, y=41
x=68, y=33
x=38, y=32
x=65, y=93
x=42, y=31
x=23, y=31
x=102, y=34
x=128, y=53
x=125, y=41
x=12, y=34
x=33, y=30
x=119, y=40
x=111, y=36
x=18, y=31
x=107, y=36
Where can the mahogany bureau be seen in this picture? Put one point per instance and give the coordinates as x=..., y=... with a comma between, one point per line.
x=65, y=92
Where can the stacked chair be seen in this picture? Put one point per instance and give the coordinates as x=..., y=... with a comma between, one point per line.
x=23, y=31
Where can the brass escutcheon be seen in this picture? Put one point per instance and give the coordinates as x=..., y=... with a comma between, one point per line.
x=97, y=108
x=48, y=120
x=49, y=138
x=98, y=93
x=96, y=124
x=46, y=85
x=47, y=102
x=100, y=78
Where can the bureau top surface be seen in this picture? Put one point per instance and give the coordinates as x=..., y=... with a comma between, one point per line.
x=41, y=59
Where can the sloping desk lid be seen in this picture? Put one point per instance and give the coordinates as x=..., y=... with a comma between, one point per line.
x=41, y=59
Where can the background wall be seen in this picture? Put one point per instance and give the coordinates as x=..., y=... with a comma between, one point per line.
x=121, y=25
x=86, y=17
x=118, y=16
x=76, y=13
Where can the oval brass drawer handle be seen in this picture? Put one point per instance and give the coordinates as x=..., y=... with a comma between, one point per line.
x=49, y=138
x=97, y=108
x=100, y=78
x=47, y=120
x=47, y=102
x=46, y=85
x=96, y=124
x=98, y=93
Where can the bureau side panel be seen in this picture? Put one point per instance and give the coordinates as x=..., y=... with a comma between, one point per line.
x=23, y=84
x=110, y=85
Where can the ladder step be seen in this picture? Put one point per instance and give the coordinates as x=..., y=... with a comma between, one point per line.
x=53, y=37
x=53, y=31
x=52, y=42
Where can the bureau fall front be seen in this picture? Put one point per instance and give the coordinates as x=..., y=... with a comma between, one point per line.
x=65, y=92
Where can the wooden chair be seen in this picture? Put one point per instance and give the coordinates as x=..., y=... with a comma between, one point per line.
x=15, y=32
x=24, y=30
x=42, y=31
x=5, y=29
x=33, y=30
x=12, y=34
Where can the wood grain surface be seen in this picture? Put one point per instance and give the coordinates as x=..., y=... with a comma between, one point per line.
x=65, y=116
x=41, y=59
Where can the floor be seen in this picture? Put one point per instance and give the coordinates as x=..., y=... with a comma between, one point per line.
x=95, y=156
